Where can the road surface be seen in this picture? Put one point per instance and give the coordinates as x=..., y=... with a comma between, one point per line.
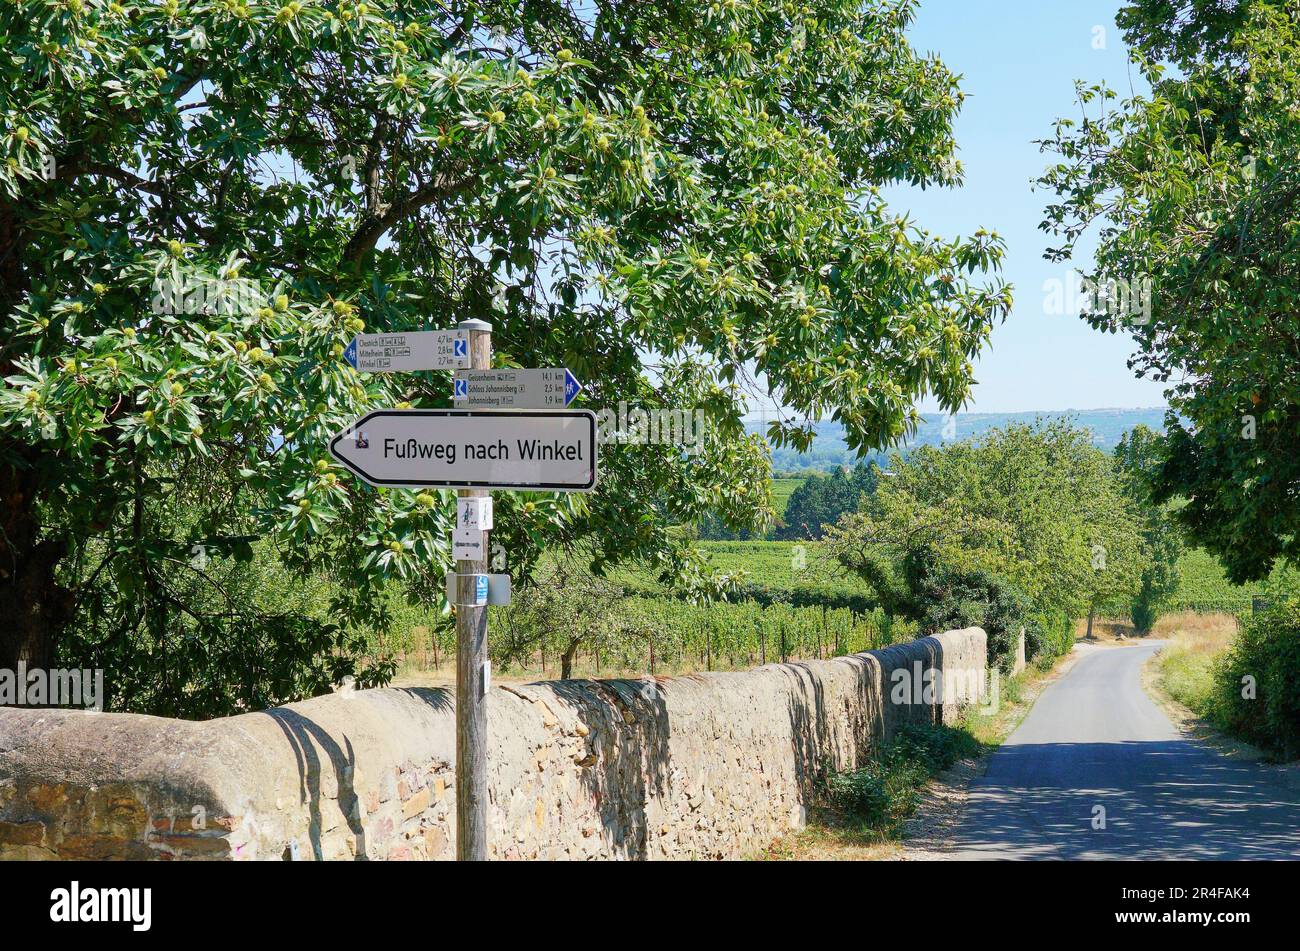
x=1094, y=740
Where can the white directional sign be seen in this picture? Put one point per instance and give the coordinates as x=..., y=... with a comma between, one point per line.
x=533, y=450
x=516, y=389
x=404, y=352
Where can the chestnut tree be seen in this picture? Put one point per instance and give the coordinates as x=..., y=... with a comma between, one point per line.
x=202, y=201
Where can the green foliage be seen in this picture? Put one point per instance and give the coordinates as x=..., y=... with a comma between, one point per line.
x=783, y=488
x=712, y=528
x=952, y=599
x=821, y=500
x=1204, y=586
x=230, y=635
x=1138, y=459
x=1032, y=520
x=765, y=572
x=1048, y=636
x=1039, y=502
x=1188, y=677
x=695, y=185
x=1183, y=30
x=1144, y=610
x=623, y=628
x=1195, y=192
x=885, y=792
x=563, y=610
x=1267, y=651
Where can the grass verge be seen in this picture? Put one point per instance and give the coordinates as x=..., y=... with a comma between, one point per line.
x=1184, y=671
x=1181, y=678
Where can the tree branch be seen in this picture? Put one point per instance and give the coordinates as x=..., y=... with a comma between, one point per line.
x=378, y=222
x=117, y=174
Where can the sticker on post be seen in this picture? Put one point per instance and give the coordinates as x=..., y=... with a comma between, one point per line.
x=467, y=545
x=498, y=590
x=474, y=513
x=467, y=591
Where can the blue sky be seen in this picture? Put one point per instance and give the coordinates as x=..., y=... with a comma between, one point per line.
x=1019, y=60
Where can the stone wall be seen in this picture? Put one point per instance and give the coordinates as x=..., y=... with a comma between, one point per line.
x=706, y=765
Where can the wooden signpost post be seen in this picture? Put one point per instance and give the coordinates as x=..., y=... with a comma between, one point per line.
x=496, y=445
x=472, y=670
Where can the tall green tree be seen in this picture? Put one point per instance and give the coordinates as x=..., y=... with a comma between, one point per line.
x=822, y=499
x=1194, y=191
x=659, y=196
x=1038, y=507
x=1138, y=458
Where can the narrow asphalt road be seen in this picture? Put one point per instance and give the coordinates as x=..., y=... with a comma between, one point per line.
x=1095, y=741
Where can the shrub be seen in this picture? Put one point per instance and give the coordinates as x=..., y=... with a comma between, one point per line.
x=952, y=598
x=1048, y=636
x=884, y=792
x=1267, y=649
x=1152, y=597
x=1144, y=611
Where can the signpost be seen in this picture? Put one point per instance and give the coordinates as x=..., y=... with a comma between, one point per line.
x=515, y=389
x=406, y=352
x=473, y=675
x=518, y=435
x=526, y=450
x=474, y=513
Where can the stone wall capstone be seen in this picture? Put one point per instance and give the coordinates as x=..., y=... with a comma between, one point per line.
x=705, y=765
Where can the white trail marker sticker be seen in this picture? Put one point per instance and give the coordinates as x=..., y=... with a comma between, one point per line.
x=474, y=513
x=467, y=545
x=526, y=450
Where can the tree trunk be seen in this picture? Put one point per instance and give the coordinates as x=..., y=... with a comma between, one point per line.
x=566, y=660
x=1092, y=611
x=33, y=607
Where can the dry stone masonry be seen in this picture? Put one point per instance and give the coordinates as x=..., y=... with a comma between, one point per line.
x=704, y=766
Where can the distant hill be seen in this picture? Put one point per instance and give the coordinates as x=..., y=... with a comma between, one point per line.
x=829, y=450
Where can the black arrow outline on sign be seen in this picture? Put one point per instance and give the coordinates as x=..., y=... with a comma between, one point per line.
x=350, y=432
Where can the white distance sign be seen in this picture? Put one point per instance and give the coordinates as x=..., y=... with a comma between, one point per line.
x=409, y=352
